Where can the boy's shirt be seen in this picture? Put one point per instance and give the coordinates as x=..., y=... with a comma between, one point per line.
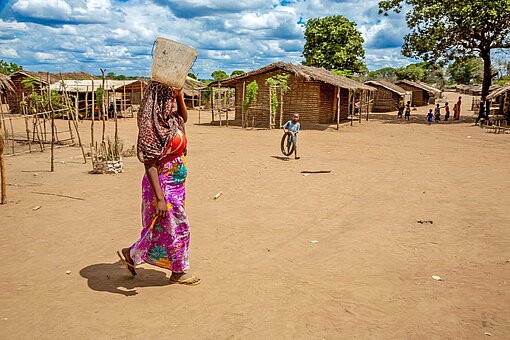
x=291, y=126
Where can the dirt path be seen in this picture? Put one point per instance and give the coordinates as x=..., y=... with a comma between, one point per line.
x=368, y=276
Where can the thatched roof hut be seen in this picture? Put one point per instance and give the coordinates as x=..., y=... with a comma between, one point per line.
x=388, y=95
x=313, y=92
x=422, y=94
x=6, y=84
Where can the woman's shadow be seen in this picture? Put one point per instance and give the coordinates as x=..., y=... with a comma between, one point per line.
x=111, y=277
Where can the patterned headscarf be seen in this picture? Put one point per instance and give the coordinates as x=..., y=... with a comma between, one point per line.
x=158, y=122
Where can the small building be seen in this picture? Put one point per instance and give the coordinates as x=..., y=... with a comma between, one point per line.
x=422, y=94
x=317, y=94
x=500, y=100
x=21, y=90
x=388, y=95
x=39, y=83
x=193, y=90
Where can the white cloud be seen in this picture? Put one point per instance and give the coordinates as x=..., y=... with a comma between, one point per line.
x=228, y=34
x=43, y=9
x=9, y=52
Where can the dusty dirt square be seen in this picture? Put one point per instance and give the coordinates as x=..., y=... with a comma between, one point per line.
x=369, y=276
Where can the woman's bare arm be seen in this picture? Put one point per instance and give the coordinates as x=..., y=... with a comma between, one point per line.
x=153, y=176
x=181, y=106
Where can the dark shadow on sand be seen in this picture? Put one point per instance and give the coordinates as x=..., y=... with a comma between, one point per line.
x=282, y=158
x=111, y=277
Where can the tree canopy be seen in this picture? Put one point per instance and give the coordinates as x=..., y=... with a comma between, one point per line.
x=192, y=75
x=219, y=75
x=466, y=71
x=450, y=29
x=237, y=73
x=8, y=68
x=335, y=44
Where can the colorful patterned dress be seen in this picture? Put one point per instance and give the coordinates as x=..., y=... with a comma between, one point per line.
x=165, y=243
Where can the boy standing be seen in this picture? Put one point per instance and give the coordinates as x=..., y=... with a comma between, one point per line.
x=293, y=127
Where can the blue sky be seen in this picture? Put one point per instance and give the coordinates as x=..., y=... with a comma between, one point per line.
x=85, y=35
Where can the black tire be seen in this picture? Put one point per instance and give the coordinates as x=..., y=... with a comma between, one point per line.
x=287, y=146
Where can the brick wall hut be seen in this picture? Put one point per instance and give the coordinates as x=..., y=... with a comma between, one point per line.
x=387, y=96
x=422, y=94
x=313, y=94
x=14, y=98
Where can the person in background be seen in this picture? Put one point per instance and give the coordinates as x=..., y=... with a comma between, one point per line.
x=456, y=109
x=430, y=117
x=407, y=115
x=481, y=114
x=400, y=108
x=293, y=127
x=437, y=113
x=446, y=112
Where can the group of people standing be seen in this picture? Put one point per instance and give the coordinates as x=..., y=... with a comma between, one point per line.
x=433, y=114
x=436, y=116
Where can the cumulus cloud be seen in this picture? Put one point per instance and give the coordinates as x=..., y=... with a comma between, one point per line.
x=117, y=35
x=58, y=11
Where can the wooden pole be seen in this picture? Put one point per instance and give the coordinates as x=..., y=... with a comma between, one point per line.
x=338, y=108
x=116, y=137
x=349, y=106
x=243, y=118
x=52, y=154
x=281, y=107
x=212, y=103
x=25, y=114
x=361, y=100
x=3, y=182
x=103, y=105
x=74, y=118
x=6, y=133
x=219, y=102
x=123, y=103
x=93, y=114
x=368, y=102
x=270, y=107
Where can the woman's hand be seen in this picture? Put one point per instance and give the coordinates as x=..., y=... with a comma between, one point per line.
x=161, y=209
x=177, y=93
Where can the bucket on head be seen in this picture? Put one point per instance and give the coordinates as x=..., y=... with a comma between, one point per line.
x=171, y=62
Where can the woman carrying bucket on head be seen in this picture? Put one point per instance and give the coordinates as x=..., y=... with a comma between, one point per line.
x=165, y=237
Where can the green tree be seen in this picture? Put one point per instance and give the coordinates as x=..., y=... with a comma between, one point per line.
x=192, y=75
x=450, y=29
x=219, y=75
x=334, y=43
x=8, y=68
x=466, y=71
x=237, y=73
x=388, y=73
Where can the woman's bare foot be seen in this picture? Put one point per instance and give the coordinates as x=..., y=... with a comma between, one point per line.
x=184, y=278
x=130, y=264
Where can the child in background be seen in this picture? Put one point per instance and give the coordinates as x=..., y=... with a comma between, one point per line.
x=437, y=113
x=446, y=112
x=430, y=116
x=408, y=111
x=293, y=127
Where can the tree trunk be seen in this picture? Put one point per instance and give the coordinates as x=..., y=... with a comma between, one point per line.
x=487, y=72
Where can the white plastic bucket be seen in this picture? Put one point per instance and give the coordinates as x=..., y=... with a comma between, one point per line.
x=171, y=62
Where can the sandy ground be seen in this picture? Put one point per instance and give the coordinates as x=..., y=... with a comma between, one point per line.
x=369, y=276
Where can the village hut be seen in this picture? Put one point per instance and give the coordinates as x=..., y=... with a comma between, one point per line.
x=81, y=92
x=422, y=94
x=500, y=99
x=21, y=90
x=387, y=96
x=192, y=92
x=129, y=95
x=315, y=93
x=39, y=81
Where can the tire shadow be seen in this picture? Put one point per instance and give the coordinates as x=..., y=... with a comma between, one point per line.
x=112, y=277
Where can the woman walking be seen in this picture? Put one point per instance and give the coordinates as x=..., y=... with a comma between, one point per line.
x=164, y=240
